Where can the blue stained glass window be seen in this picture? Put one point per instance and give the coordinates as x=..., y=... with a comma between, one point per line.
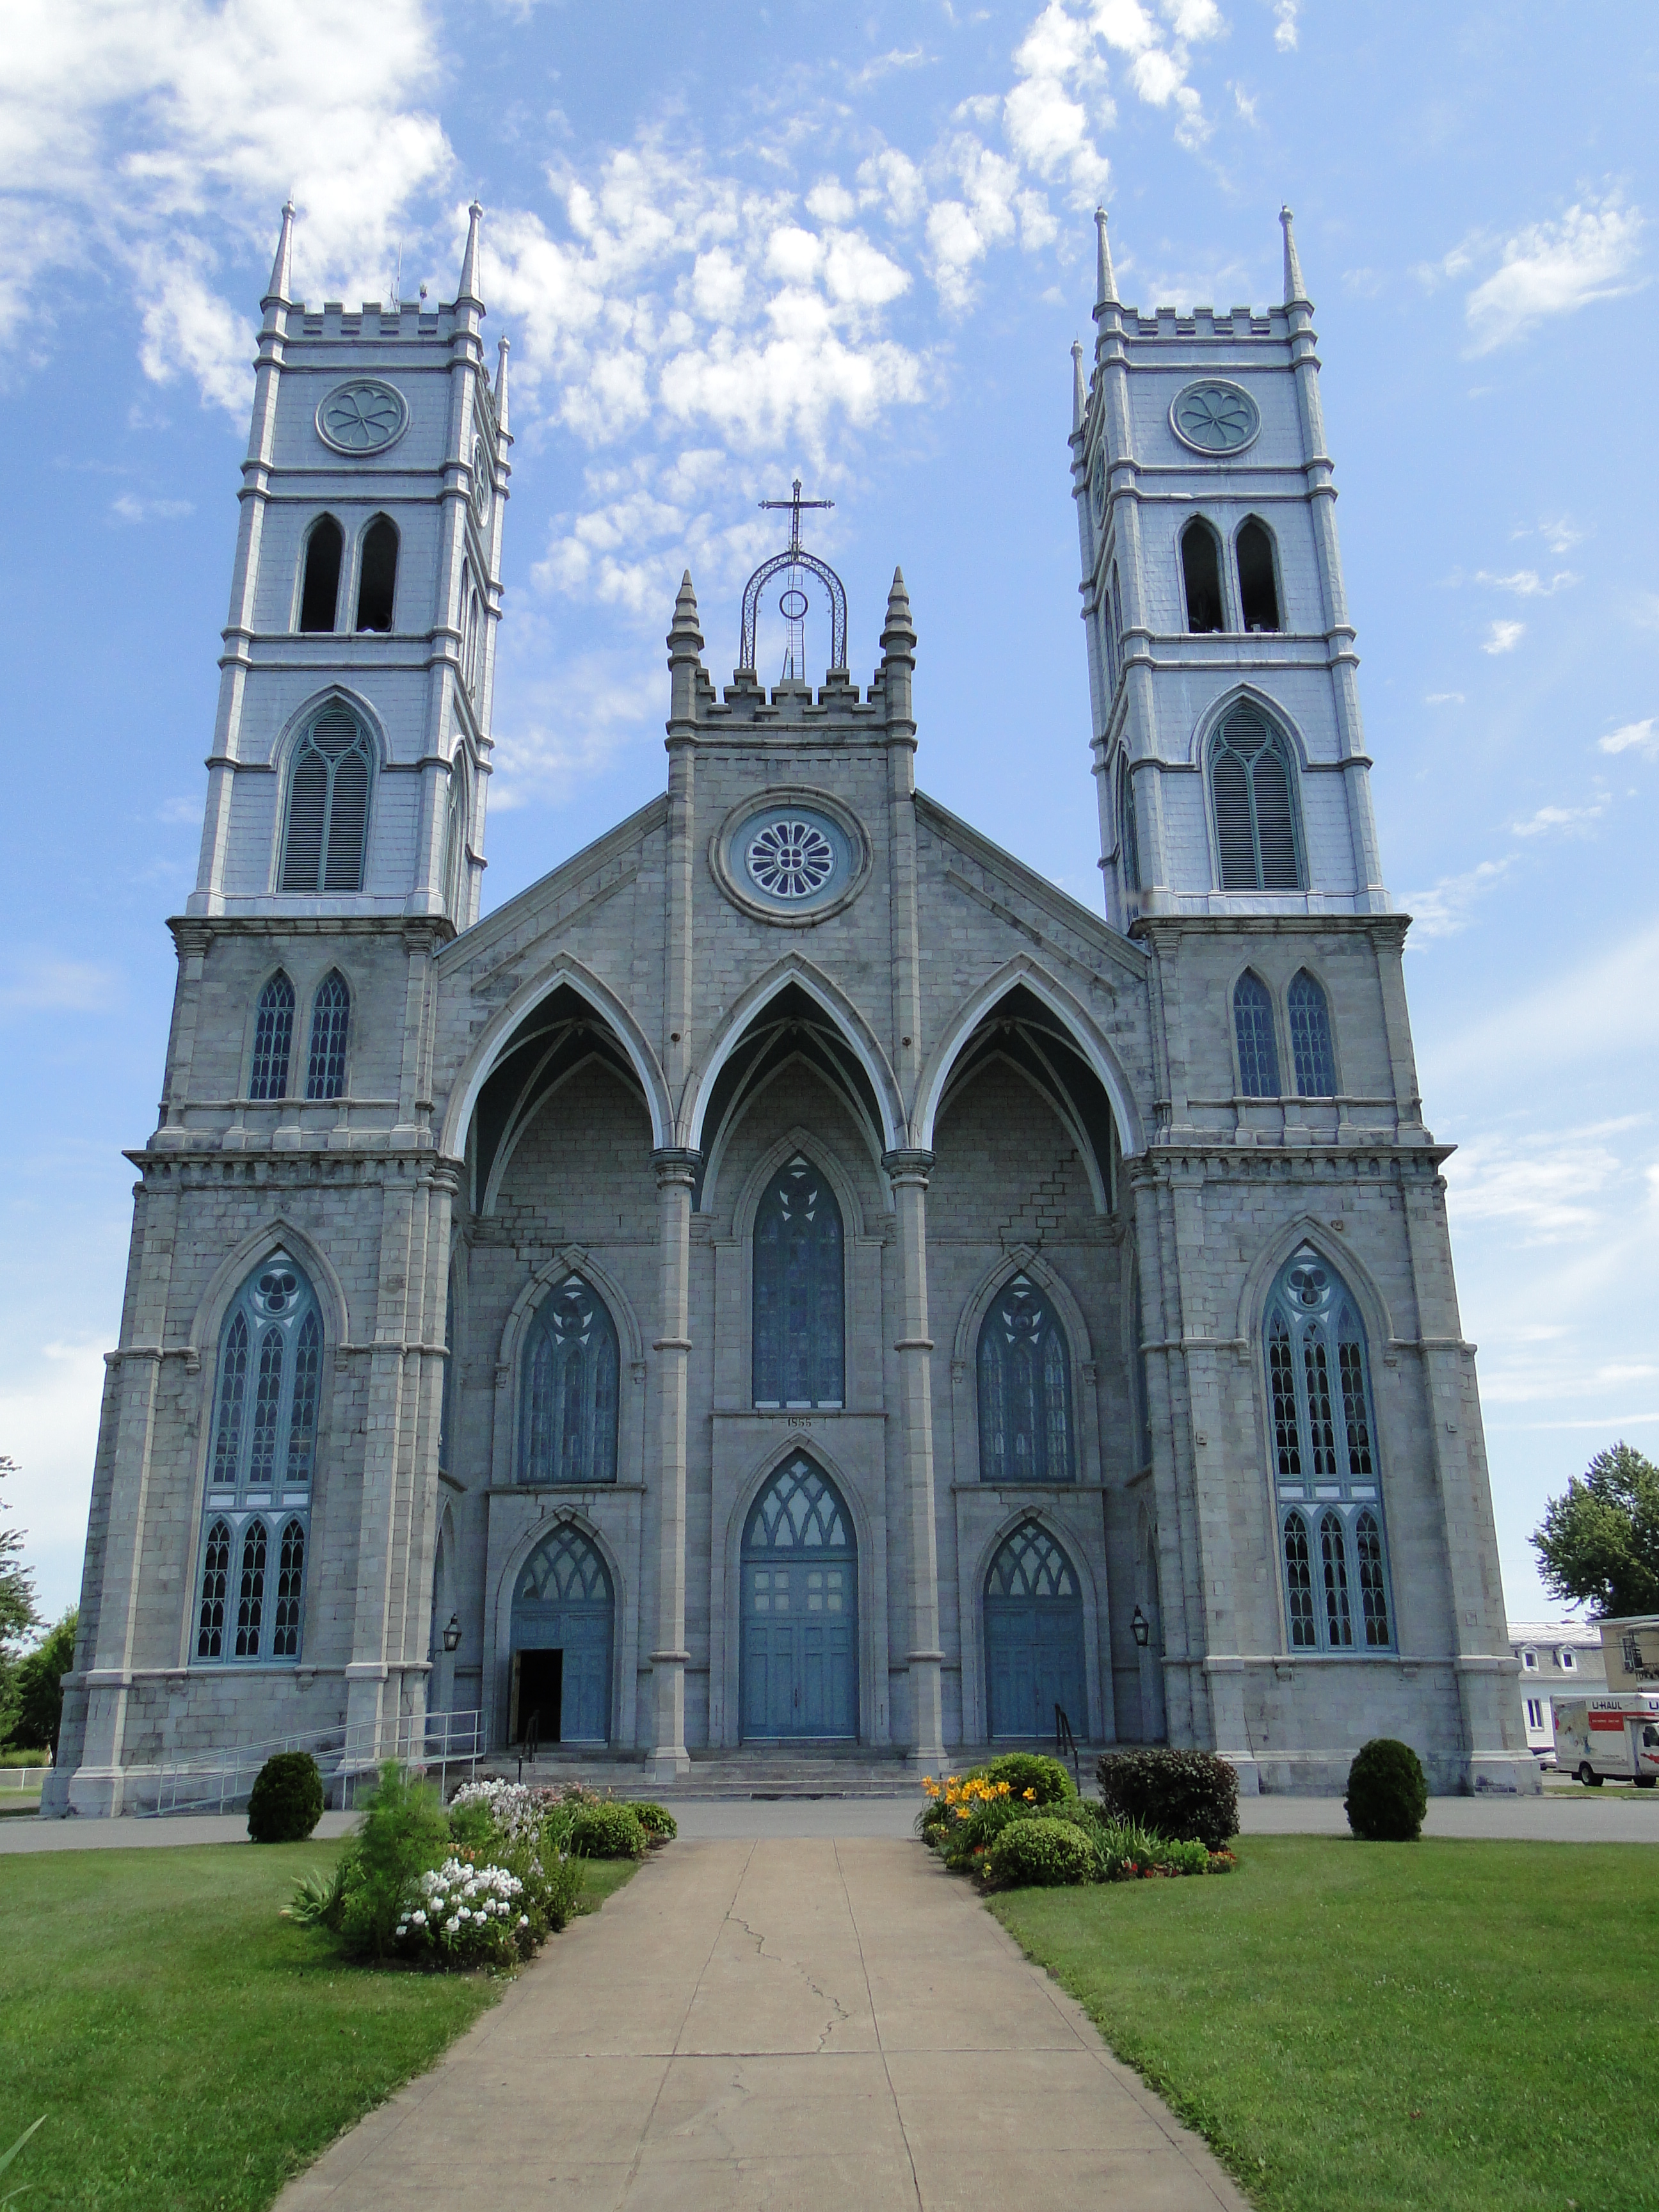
x=273, y=1039
x=290, y=1589
x=1310, y=1038
x=216, y=1585
x=569, y=1429
x=331, y=1014
x=1024, y=1390
x=799, y=1292
x=1258, y=1051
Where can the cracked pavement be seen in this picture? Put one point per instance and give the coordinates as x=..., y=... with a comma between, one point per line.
x=777, y=2025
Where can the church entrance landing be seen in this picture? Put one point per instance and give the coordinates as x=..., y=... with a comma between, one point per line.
x=800, y=1649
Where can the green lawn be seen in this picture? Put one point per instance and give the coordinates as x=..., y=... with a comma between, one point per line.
x=191, y=2049
x=1387, y=2027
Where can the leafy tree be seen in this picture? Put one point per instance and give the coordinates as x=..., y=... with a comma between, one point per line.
x=18, y=1616
x=1600, y=1542
x=40, y=1685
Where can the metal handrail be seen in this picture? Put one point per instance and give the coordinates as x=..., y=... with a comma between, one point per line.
x=1065, y=1741
x=343, y=1754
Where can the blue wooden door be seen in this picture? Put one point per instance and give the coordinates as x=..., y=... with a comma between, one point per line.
x=563, y=1603
x=799, y=1610
x=1034, y=1652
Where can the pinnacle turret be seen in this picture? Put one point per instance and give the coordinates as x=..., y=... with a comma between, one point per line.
x=1080, y=389
x=282, y=268
x=501, y=351
x=470, y=281
x=1294, y=291
x=1105, y=280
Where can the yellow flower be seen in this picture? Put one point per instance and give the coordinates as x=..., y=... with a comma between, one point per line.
x=1030, y=1795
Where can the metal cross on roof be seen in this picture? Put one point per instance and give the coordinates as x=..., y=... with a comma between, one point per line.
x=794, y=504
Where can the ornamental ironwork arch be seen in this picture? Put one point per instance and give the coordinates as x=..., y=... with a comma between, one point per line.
x=826, y=576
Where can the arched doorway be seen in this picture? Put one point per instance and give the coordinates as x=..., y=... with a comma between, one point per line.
x=563, y=1613
x=800, y=1641
x=1033, y=1657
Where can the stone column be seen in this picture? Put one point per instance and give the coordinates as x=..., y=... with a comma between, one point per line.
x=677, y=1173
x=909, y=1172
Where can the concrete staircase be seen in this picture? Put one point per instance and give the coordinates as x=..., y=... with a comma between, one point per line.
x=757, y=1773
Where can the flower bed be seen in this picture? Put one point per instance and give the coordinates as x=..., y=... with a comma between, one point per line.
x=1007, y=1837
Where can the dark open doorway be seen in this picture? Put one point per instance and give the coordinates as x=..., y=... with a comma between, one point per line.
x=539, y=1696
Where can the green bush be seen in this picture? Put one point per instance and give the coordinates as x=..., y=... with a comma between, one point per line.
x=1387, y=1795
x=1187, y=1795
x=961, y=1843
x=1039, y=1853
x=404, y=1834
x=659, y=1825
x=41, y=1757
x=607, y=1831
x=286, y=1801
x=1046, y=1779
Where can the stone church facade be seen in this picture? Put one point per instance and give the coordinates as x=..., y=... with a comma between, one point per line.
x=791, y=1275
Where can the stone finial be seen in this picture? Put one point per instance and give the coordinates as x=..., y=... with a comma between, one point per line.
x=899, y=636
x=1080, y=389
x=501, y=351
x=468, y=286
x=687, y=632
x=282, y=268
x=1105, y=281
x=1295, y=293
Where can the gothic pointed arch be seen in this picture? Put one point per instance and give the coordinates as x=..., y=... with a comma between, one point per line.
x=798, y=1570
x=562, y=1638
x=328, y=789
x=279, y=1232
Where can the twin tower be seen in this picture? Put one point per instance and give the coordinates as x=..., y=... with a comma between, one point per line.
x=791, y=1274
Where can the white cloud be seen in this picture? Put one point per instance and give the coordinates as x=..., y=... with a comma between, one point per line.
x=1570, y=818
x=1602, y=1012
x=1554, y=269
x=1285, y=14
x=1641, y=736
x=1526, y=584
x=1544, y=1189
x=35, y=981
x=49, y=1409
x=1504, y=636
x=130, y=508
x=600, y=705
x=1448, y=906
x=1443, y=699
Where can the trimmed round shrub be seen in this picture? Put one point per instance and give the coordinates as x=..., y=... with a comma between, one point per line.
x=607, y=1831
x=659, y=1823
x=1040, y=1854
x=1029, y=1770
x=1190, y=1797
x=960, y=1843
x=1387, y=1794
x=286, y=1801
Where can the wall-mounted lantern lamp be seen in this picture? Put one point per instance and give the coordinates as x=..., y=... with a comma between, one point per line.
x=452, y=1633
x=1140, y=1628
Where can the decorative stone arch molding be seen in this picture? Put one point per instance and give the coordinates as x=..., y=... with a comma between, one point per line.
x=839, y=1011
x=1274, y=709
x=499, y=1167
x=278, y=1233
x=973, y=1565
x=808, y=1142
x=1024, y=971
x=726, y=1586
x=563, y=970
x=294, y=727
x=1363, y=1286
x=570, y=1259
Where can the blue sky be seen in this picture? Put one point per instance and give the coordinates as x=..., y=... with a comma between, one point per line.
x=729, y=244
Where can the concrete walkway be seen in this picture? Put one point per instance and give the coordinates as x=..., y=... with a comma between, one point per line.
x=792, y=2028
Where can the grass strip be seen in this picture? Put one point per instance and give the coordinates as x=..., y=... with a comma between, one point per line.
x=1377, y=2027
x=191, y=2049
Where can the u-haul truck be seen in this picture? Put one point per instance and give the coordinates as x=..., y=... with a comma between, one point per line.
x=1615, y=1737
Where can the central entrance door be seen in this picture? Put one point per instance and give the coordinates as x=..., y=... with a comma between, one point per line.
x=1034, y=1653
x=563, y=1610
x=800, y=1649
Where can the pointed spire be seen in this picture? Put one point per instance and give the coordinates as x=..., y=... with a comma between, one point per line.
x=1080, y=389
x=899, y=630
x=1295, y=295
x=1105, y=281
x=500, y=385
x=468, y=288
x=282, y=268
x=687, y=630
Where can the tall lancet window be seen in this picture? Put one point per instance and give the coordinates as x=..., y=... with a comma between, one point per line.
x=261, y=1465
x=331, y=1017
x=273, y=1039
x=328, y=789
x=567, y=1430
x=1252, y=789
x=1332, y=1550
x=1024, y=1390
x=319, y=586
x=799, y=1291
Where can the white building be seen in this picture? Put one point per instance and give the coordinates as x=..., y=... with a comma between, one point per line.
x=792, y=1274
x=1557, y=1659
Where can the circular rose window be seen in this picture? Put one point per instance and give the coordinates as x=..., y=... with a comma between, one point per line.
x=790, y=857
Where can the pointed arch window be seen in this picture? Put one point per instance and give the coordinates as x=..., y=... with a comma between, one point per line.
x=320, y=587
x=328, y=791
x=455, y=820
x=1333, y=1549
x=261, y=1466
x=377, y=580
x=1117, y=616
x=331, y=1017
x=567, y=1432
x=799, y=1291
x=273, y=1039
x=1258, y=582
x=1257, y=836
x=1128, y=833
x=1253, y=1025
x=1310, y=1037
x=1200, y=576
x=1024, y=1390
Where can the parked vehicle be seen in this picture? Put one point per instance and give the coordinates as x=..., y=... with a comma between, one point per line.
x=1615, y=1736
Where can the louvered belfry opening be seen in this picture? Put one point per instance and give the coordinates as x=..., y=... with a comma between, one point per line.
x=319, y=593
x=1254, y=813
x=377, y=584
x=328, y=805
